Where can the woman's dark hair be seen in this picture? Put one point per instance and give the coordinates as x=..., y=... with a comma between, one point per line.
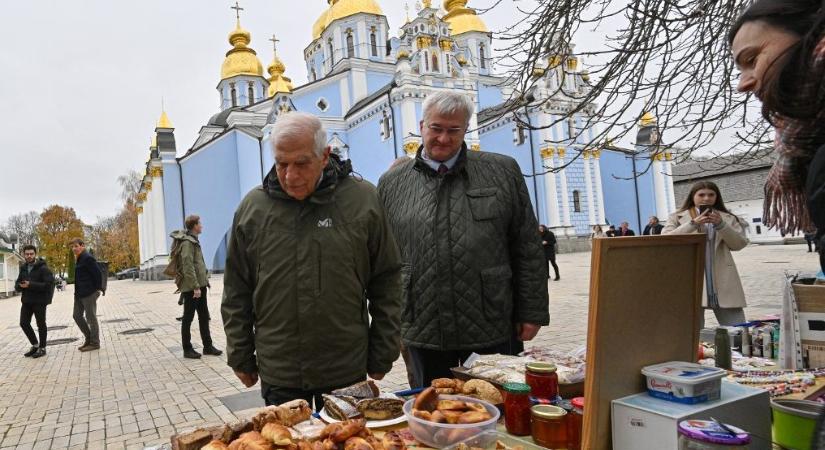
x=794, y=91
x=719, y=205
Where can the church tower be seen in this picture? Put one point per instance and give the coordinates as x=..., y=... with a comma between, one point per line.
x=427, y=44
x=242, y=82
x=471, y=36
x=278, y=83
x=649, y=140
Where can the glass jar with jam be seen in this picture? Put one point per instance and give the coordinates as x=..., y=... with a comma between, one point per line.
x=517, y=408
x=576, y=421
x=543, y=379
x=549, y=426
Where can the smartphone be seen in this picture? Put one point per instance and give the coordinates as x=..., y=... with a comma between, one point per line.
x=703, y=208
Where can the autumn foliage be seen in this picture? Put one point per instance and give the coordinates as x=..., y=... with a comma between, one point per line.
x=58, y=225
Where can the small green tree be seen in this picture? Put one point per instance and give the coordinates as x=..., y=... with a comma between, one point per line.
x=70, y=268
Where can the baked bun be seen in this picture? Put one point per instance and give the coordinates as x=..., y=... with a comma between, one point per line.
x=473, y=406
x=437, y=417
x=251, y=441
x=277, y=434
x=215, y=445
x=393, y=441
x=427, y=400
x=443, y=383
x=446, y=391
x=456, y=405
x=473, y=417
x=357, y=443
x=483, y=390
x=421, y=414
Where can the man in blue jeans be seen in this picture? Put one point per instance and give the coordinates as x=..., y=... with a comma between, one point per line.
x=88, y=286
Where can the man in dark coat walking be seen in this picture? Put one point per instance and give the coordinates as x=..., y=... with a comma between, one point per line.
x=653, y=227
x=474, y=277
x=548, y=241
x=88, y=286
x=36, y=283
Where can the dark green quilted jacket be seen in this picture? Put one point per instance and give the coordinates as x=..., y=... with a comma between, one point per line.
x=473, y=261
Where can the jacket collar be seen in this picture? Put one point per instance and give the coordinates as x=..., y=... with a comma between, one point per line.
x=421, y=164
x=335, y=171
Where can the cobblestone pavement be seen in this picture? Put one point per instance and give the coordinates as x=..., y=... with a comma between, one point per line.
x=137, y=390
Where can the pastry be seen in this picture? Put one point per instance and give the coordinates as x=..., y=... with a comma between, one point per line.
x=421, y=414
x=277, y=434
x=381, y=408
x=473, y=406
x=364, y=389
x=457, y=405
x=438, y=417
x=427, y=400
x=483, y=390
x=451, y=416
x=340, y=407
x=357, y=443
x=230, y=432
x=347, y=430
x=473, y=417
x=393, y=441
x=192, y=441
x=286, y=414
x=215, y=445
x=309, y=430
x=251, y=441
x=443, y=383
x=446, y=391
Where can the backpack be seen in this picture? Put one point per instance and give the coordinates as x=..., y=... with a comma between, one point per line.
x=171, y=270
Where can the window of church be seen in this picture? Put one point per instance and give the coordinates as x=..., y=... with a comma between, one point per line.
x=435, y=62
x=577, y=203
x=331, y=57
x=519, y=135
x=250, y=92
x=385, y=126
x=482, y=56
x=571, y=127
x=426, y=62
x=350, y=44
x=373, y=44
x=313, y=75
x=234, y=94
x=322, y=104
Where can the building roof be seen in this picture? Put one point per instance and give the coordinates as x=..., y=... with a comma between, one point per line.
x=369, y=99
x=696, y=169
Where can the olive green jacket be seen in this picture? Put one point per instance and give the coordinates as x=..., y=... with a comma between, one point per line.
x=191, y=266
x=312, y=289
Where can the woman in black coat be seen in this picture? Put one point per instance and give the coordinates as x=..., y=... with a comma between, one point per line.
x=548, y=241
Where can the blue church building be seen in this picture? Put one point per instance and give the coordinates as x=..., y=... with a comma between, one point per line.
x=367, y=85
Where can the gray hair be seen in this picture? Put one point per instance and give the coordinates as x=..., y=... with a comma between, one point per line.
x=295, y=124
x=449, y=103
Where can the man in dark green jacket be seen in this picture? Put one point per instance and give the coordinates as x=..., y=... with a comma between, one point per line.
x=193, y=282
x=312, y=294
x=474, y=277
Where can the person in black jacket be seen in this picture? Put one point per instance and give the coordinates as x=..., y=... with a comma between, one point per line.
x=653, y=227
x=548, y=241
x=36, y=283
x=624, y=230
x=88, y=286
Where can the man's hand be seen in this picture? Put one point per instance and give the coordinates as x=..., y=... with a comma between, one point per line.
x=248, y=379
x=197, y=294
x=527, y=331
x=377, y=376
x=24, y=284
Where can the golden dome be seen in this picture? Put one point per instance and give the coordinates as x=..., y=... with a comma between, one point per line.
x=164, y=121
x=462, y=19
x=403, y=54
x=278, y=83
x=647, y=119
x=339, y=9
x=240, y=60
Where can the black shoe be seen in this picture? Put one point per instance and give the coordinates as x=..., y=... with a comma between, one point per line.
x=40, y=352
x=211, y=350
x=31, y=351
x=191, y=353
x=85, y=344
x=179, y=318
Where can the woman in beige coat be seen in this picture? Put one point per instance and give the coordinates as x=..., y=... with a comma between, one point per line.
x=704, y=212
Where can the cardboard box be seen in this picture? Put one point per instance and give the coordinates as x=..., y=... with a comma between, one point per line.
x=641, y=422
x=810, y=301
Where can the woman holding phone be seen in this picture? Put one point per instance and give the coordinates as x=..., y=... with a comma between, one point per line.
x=704, y=212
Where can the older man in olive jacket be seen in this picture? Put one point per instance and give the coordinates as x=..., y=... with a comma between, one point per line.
x=474, y=277
x=312, y=294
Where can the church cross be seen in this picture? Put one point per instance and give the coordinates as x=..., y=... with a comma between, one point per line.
x=274, y=41
x=237, y=9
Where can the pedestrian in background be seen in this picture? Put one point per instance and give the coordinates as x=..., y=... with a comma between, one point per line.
x=36, y=283
x=653, y=227
x=548, y=242
x=597, y=232
x=88, y=287
x=624, y=230
x=611, y=231
x=704, y=211
x=813, y=244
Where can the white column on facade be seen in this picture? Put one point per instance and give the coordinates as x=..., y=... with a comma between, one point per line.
x=141, y=237
x=338, y=44
x=343, y=87
x=148, y=212
x=359, y=83
x=382, y=41
x=363, y=46
x=551, y=196
x=409, y=122
x=159, y=213
x=565, y=197
x=668, y=163
x=659, y=187
x=597, y=171
x=591, y=205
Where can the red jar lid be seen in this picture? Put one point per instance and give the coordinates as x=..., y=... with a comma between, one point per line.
x=578, y=402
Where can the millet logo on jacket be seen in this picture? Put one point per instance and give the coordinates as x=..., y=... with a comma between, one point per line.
x=325, y=223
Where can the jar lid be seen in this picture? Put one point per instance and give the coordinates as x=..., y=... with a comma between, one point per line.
x=517, y=388
x=566, y=405
x=540, y=367
x=709, y=431
x=547, y=412
x=578, y=402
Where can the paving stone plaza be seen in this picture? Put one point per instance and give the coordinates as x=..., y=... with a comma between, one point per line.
x=137, y=390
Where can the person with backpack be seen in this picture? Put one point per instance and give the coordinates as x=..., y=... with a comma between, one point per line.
x=88, y=287
x=188, y=268
x=36, y=283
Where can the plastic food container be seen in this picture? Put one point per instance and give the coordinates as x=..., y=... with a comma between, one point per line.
x=684, y=382
x=794, y=421
x=440, y=435
x=708, y=435
x=488, y=439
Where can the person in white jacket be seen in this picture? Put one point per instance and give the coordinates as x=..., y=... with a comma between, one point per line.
x=704, y=212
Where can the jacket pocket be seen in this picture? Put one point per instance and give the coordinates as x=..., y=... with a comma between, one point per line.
x=497, y=290
x=483, y=203
x=408, y=313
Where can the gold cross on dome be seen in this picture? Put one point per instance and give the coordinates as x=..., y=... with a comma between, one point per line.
x=237, y=9
x=274, y=41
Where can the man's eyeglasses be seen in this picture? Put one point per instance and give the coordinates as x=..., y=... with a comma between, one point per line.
x=451, y=132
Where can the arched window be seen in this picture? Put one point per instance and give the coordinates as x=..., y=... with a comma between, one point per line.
x=426, y=62
x=482, y=56
x=331, y=50
x=234, y=93
x=250, y=92
x=373, y=44
x=435, y=62
x=577, y=203
x=350, y=45
x=313, y=75
x=385, y=126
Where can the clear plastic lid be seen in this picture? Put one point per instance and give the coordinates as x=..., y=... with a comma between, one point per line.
x=712, y=432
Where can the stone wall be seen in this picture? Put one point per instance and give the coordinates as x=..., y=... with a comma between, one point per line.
x=737, y=186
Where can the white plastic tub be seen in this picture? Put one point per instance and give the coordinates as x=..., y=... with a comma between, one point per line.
x=684, y=382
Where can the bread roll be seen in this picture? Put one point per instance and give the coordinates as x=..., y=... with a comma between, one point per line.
x=473, y=406
x=393, y=441
x=473, y=417
x=251, y=441
x=357, y=443
x=451, y=416
x=483, y=390
x=455, y=405
x=443, y=383
x=215, y=445
x=421, y=414
x=277, y=434
x=427, y=400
